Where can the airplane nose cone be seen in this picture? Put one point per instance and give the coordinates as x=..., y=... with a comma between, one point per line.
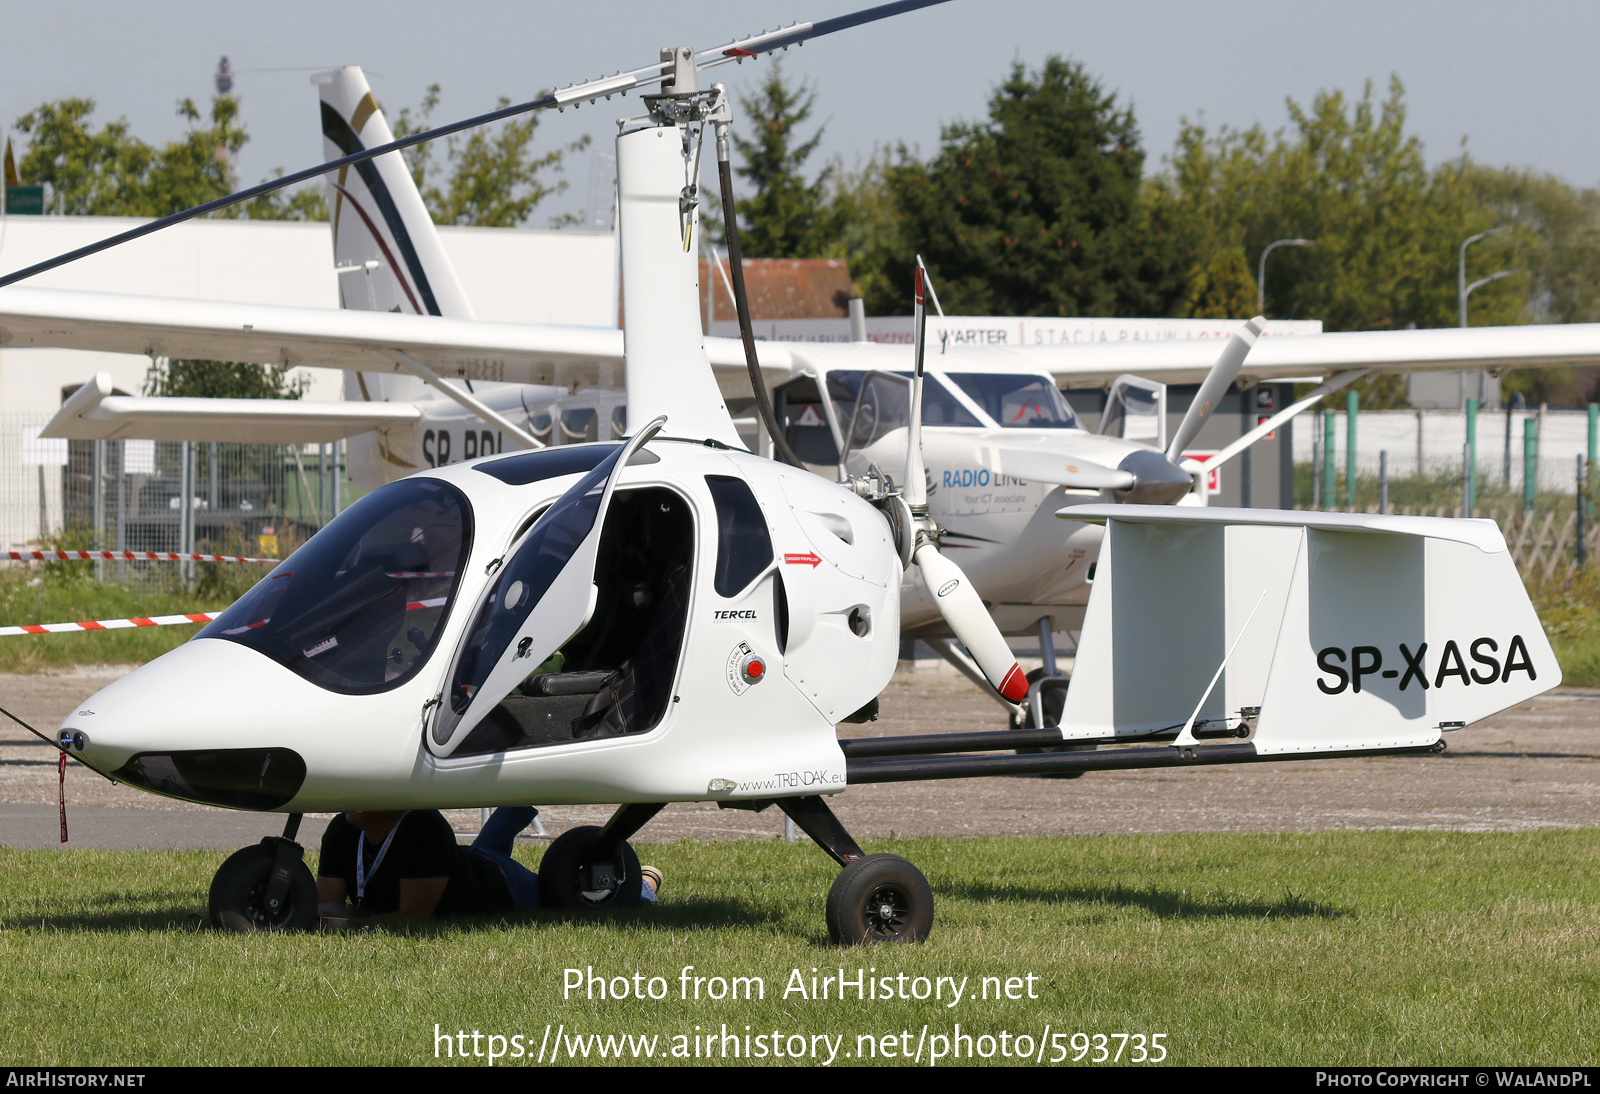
x=1156, y=479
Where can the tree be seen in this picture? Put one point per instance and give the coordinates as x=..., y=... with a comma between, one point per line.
x=1221, y=289
x=1347, y=175
x=784, y=216
x=110, y=172
x=492, y=178
x=1041, y=210
x=220, y=380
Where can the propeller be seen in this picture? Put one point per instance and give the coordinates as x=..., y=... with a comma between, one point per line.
x=952, y=593
x=1215, y=384
x=1159, y=478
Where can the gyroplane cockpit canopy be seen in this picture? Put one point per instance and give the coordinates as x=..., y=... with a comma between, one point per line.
x=359, y=608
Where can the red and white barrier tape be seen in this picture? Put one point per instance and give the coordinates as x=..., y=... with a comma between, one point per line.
x=110, y=624
x=125, y=556
x=164, y=621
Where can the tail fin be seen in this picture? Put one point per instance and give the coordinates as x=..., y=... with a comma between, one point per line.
x=384, y=242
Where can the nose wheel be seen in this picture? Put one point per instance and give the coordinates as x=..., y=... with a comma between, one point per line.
x=592, y=869
x=267, y=887
x=875, y=898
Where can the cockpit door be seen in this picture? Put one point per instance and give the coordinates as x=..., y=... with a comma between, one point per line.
x=882, y=408
x=542, y=596
x=1136, y=410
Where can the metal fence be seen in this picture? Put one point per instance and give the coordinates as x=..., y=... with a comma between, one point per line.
x=241, y=499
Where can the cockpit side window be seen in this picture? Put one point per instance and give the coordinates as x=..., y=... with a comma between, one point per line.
x=744, y=547
x=359, y=608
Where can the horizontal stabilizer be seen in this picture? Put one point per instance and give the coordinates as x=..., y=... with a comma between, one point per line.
x=92, y=413
x=1327, y=631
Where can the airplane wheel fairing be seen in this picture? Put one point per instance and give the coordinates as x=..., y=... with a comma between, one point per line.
x=239, y=891
x=562, y=880
x=879, y=898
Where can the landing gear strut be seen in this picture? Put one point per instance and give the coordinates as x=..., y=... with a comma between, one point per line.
x=267, y=887
x=875, y=898
x=1047, y=699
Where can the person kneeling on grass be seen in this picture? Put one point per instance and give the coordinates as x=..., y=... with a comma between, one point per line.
x=389, y=867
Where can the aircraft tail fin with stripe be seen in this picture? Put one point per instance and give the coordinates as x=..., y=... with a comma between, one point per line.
x=385, y=246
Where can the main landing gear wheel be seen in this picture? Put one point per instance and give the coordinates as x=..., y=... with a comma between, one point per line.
x=1055, y=701
x=879, y=898
x=565, y=880
x=239, y=893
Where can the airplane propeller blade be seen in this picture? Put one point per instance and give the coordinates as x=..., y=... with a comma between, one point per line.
x=970, y=621
x=1057, y=469
x=1215, y=385
x=952, y=593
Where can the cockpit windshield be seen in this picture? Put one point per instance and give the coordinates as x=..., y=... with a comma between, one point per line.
x=1017, y=401
x=939, y=407
x=359, y=607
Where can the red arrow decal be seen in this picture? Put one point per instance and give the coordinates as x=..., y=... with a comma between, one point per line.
x=807, y=559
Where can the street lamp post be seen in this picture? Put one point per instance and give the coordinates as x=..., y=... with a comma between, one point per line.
x=1261, y=269
x=1461, y=270
x=1464, y=290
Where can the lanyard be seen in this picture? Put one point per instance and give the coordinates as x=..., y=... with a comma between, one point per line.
x=361, y=870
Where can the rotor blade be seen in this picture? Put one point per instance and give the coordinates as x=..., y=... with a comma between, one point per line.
x=1216, y=384
x=970, y=622
x=915, y=488
x=572, y=95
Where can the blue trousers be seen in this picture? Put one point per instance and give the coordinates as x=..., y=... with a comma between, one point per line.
x=494, y=843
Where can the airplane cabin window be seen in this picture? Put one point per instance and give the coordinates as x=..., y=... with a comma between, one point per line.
x=744, y=547
x=359, y=607
x=1017, y=401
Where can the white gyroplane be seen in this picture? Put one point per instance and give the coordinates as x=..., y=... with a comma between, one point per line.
x=673, y=618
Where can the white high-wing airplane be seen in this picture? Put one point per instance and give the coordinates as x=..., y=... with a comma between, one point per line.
x=428, y=384
x=717, y=614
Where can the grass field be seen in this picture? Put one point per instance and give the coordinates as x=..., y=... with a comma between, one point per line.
x=1347, y=948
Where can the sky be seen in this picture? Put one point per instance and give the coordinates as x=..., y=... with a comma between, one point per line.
x=1517, y=83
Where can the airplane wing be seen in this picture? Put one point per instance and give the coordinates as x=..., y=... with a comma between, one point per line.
x=1183, y=362
x=93, y=413
x=470, y=349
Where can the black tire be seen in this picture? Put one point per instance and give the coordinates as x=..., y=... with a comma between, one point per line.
x=1055, y=702
x=239, y=893
x=879, y=898
x=561, y=883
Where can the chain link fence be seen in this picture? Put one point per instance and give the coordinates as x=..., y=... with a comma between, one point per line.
x=239, y=499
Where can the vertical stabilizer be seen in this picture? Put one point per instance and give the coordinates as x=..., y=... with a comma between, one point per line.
x=387, y=254
x=384, y=242
x=663, y=345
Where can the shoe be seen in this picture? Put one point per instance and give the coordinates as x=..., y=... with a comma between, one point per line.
x=652, y=877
